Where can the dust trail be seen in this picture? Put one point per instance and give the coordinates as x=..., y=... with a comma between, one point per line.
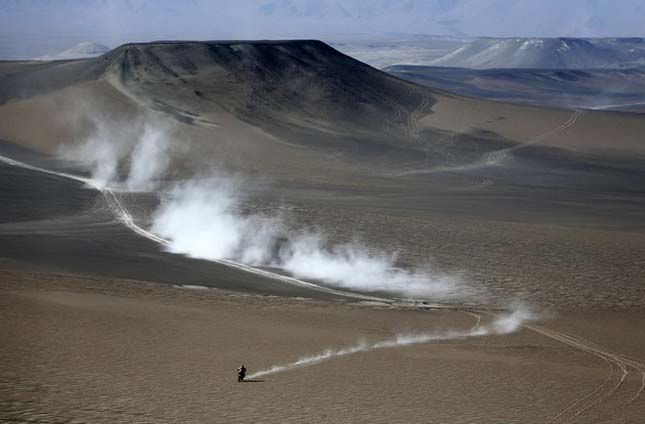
x=19, y=164
x=609, y=107
x=503, y=324
x=124, y=216
x=202, y=219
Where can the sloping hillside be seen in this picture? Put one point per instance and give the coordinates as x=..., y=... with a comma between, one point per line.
x=304, y=84
x=291, y=110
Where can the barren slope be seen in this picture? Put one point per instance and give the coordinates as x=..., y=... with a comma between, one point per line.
x=540, y=206
x=431, y=175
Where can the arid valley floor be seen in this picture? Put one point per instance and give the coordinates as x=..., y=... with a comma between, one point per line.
x=103, y=320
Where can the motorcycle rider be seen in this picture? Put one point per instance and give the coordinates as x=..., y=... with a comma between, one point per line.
x=241, y=373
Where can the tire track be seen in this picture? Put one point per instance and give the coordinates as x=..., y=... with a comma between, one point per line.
x=600, y=393
x=397, y=113
x=628, y=362
x=584, y=397
x=640, y=390
x=497, y=157
x=413, y=127
x=122, y=214
x=126, y=218
x=478, y=320
x=398, y=341
x=588, y=401
x=603, y=391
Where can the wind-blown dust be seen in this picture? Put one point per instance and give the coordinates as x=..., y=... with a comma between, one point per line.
x=202, y=218
x=503, y=324
x=144, y=146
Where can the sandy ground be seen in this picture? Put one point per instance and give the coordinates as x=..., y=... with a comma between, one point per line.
x=76, y=349
x=80, y=344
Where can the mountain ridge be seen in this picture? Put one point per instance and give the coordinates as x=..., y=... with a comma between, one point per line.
x=546, y=53
x=82, y=50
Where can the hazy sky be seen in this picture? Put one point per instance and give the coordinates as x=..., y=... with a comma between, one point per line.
x=30, y=27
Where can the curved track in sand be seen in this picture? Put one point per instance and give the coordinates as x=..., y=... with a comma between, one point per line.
x=499, y=156
x=397, y=113
x=408, y=120
x=125, y=217
x=413, y=127
x=610, y=388
x=606, y=389
x=364, y=347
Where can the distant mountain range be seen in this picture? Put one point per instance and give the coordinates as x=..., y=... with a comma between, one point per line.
x=480, y=53
x=490, y=53
x=79, y=51
x=30, y=28
x=547, y=53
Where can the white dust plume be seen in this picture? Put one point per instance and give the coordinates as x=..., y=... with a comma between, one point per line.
x=503, y=324
x=150, y=156
x=350, y=266
x=143, y=145
x=202, y=218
